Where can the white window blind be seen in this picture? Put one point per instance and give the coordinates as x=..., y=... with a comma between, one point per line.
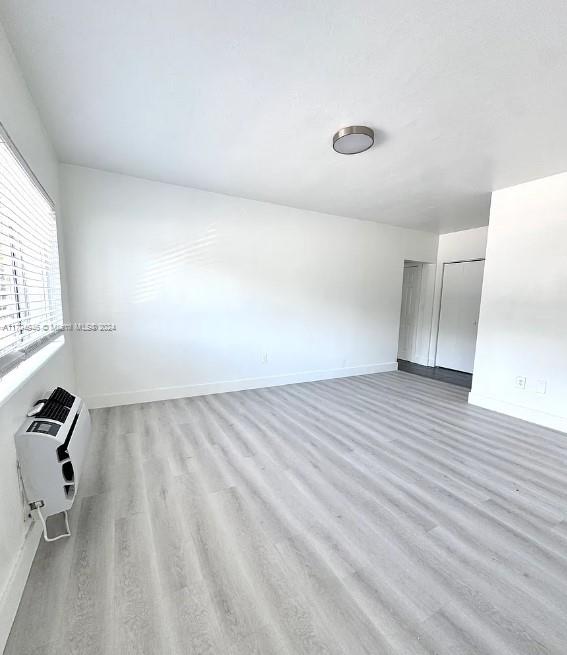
x=30, y=288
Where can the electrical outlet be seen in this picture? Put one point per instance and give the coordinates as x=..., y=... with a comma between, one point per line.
x=541, y=386
x=520, y=382
x=264, y=358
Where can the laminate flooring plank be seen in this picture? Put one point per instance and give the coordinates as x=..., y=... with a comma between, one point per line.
x=375, y=515
x=87, y=608
x=140, y=625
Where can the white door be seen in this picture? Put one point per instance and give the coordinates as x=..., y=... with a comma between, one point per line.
x=408, y=316
x=458, y=321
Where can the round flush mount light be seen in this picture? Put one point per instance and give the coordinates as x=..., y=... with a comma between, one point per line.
x=352, y=140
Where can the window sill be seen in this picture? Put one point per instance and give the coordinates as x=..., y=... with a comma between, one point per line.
x=19, y=376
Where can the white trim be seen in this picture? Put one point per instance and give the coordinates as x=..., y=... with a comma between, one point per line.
x=186, y=391
x=553, y=421
x=12, y=593
x=17, y=377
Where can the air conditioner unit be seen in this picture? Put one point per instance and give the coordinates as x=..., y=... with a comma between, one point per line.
x=51, y=446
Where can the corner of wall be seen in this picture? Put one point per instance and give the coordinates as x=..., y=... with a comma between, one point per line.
x=538, y=417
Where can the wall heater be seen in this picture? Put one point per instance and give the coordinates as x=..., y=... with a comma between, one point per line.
x=51, y=446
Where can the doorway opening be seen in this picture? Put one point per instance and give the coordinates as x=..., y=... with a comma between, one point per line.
x=439, y=319
x=409, y=313
x=418, y=285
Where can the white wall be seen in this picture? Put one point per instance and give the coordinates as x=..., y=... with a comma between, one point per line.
x=453, y=247
x=462, y=245
x=19, y=117
x=523, y=316
x=202, y=285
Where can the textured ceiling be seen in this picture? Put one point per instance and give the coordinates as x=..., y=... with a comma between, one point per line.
x=244, y=97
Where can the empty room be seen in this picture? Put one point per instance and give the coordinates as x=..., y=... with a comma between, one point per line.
x=283, y=327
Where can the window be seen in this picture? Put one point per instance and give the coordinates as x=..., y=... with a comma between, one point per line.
x=30, y=288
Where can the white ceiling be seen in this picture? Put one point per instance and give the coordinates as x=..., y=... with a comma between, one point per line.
x=244, y=97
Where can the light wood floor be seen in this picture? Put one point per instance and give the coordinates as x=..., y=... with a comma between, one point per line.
x=378, y=514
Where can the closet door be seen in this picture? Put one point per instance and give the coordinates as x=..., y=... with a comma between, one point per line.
x=458, y=321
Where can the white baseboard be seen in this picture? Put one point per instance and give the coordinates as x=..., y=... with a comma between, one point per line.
x=12, y=593
x=186, y=391
x=552, y=421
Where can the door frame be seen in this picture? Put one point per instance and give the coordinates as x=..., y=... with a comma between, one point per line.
x=455, y=261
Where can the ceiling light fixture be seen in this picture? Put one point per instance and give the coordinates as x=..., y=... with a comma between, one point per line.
x=352, y=140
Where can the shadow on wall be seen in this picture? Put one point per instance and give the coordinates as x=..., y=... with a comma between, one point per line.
x=198, y=253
